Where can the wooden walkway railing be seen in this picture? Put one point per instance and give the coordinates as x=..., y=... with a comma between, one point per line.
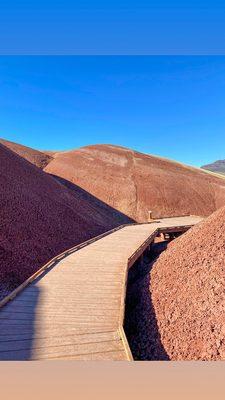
x=75, y=310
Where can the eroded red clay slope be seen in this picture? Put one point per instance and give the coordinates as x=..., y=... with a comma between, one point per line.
x=188, y=293
x=132, y=182
x=40, y=217
x=36, y=157
x=135, y=183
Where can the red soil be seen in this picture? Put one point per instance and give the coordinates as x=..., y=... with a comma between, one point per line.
x=132, y=182
x=135, y=183
x=36, y=157
x=40, y=217
x=187, y=293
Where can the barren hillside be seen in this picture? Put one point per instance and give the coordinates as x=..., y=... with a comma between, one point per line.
x=187, y=292
x=40, y=217
x=134, y=183
x=36, y=157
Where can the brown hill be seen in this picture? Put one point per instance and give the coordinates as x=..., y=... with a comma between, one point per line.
x=218, y=167
x=132, y=182
x=40, y=217
x=135, y=183
x=187, y=293
x=36, y=157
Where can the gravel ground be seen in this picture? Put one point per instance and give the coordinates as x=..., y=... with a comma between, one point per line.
x=4, y=291
x=187, y=291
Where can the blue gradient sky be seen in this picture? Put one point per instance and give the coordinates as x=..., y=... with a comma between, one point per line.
x=168, y=106
x=112, y=27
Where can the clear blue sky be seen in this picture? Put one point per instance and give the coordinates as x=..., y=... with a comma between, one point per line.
x=112, y=26
x=168, y=106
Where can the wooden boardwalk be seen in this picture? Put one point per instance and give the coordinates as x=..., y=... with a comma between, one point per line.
x=75, y=310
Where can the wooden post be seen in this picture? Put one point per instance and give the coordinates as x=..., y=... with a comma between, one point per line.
x=150, y=219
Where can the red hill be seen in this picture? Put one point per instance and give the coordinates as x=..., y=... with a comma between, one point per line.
x=134, y=183
x=36, y=157
x=187, y=292
x=40, y=218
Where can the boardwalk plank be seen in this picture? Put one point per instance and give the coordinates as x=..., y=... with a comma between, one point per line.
x=75, y=309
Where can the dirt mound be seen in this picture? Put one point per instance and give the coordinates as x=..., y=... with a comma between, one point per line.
x=187, y=292
x=36, y=157
x=40, y=217
x=135, y=183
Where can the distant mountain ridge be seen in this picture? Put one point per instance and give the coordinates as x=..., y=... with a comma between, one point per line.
x=217, y=166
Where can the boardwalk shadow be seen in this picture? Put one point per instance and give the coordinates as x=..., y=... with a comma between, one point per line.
x=17, y=326
x=19, y=319
x=140, y=320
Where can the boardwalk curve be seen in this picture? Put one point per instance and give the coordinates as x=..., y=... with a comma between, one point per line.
x=74, y=309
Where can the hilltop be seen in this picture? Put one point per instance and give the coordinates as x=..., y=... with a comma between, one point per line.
x=35, y=157
x=135, y=183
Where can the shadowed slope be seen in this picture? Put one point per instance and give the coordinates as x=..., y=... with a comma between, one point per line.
x=187, y=291
x=40, y=217
x=140, y=322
